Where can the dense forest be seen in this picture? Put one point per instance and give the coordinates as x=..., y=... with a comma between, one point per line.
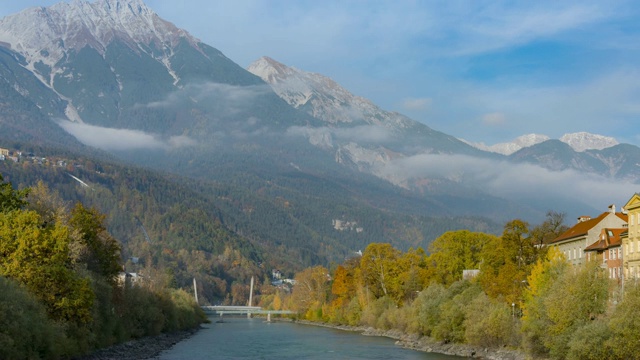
x=524, y=296
x=62, y=289
x=224, y=232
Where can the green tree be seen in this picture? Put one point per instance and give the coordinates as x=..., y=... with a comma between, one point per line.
x=574, y=300
x=11, y=199
x=489, y=323
x=25, y=330
x=506, y=263
x=625, y=325
x=102, y=254
x=535, y=320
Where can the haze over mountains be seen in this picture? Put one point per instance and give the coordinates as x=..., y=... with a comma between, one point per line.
x=120, y=79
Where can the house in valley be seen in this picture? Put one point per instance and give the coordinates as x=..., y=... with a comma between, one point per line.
x=573, y=242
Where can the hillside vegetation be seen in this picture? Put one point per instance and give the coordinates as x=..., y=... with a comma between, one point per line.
x=61, y=292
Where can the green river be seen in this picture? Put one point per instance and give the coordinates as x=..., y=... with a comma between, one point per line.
x=242, y=338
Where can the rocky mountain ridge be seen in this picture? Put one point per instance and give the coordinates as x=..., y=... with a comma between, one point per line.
x=46, y=34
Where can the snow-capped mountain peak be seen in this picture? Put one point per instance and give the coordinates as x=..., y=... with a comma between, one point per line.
x=46, y=33
x=579, y=141
x=321, y=96
x=518, y=143
x=582, y=141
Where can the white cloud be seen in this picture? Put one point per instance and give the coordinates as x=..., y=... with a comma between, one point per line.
x=122, y=139
x=230, y=97
x=514, y=181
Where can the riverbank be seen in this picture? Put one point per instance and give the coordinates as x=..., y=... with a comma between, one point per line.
x=145, y=348
x=427, y=344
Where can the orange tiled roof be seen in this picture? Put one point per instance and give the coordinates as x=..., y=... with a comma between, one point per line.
x=582, y=228
x=611, y=238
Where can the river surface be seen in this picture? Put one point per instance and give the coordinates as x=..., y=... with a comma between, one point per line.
x=242, y=338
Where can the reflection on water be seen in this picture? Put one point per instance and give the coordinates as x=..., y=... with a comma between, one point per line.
x=242, y=338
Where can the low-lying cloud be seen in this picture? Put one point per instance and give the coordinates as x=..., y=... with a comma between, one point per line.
x=226, y=98
x=111, y=139
x=514, y=181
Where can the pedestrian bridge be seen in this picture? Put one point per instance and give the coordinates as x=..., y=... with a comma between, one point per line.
x=241, y=310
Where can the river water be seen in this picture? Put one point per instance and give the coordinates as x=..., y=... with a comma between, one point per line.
x=242, y=338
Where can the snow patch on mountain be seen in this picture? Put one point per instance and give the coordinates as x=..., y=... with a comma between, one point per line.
x=46, y=34
x=582, y=141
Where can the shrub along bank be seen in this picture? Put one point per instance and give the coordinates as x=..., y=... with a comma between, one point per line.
x=525, y=297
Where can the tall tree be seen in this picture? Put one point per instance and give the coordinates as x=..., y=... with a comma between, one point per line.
x=380, y=269
x=506, y=262
x=102, y=255
x=551, y=228
x=311, y=288
x=11, y=199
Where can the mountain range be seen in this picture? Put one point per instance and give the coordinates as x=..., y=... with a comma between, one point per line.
x=294, y=150
x=579, y=142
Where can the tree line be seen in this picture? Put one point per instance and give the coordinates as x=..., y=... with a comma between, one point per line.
x=60, y=289
x=524, y=296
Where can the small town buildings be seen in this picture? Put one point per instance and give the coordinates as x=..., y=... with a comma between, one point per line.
x=587, y=231
x=608, y=251
x=631, y=242
x=4, y=152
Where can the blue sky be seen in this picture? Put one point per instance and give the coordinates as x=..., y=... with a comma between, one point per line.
x=484, y=71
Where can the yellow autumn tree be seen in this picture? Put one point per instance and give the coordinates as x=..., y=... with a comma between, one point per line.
x=456, y=251
x=380, y=270
x=38, y=257
x=310, y=290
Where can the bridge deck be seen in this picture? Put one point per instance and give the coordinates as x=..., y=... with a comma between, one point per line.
x=242, y=310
